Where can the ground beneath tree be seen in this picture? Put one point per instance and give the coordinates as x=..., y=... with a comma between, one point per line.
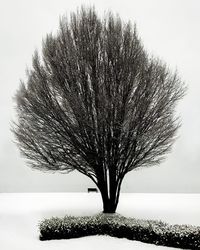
x=20, y=214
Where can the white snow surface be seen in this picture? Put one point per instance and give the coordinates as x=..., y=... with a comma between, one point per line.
x=20, y=214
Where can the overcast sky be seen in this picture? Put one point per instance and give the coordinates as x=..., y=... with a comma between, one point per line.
x=169, y=29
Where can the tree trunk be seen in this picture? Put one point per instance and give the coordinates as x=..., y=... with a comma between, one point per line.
x=109, y=206
x=109, y=187
x=110, y=198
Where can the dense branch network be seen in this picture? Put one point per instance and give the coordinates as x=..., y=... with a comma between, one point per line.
x=96, y=102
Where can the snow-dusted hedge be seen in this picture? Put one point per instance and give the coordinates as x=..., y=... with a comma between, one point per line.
x=156, y=232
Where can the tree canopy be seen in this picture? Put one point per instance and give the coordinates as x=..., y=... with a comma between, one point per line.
x=95, y=101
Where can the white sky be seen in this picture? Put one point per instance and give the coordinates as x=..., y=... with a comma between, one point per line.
x=169, y=29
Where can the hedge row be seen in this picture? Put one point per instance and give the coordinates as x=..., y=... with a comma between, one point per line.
x=149, y=231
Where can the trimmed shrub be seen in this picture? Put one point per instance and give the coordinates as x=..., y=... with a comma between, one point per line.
x=149, y=231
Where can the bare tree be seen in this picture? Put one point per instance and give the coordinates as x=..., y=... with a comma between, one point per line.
x=96, y=102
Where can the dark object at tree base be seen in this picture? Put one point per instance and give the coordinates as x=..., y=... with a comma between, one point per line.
x=148, y=231
x=92, y=190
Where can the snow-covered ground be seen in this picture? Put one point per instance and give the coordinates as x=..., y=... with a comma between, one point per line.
x=21, y=212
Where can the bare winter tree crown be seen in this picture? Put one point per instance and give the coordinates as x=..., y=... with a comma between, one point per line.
x=96, y=102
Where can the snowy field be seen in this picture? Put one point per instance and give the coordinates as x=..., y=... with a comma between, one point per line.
x=21, y=212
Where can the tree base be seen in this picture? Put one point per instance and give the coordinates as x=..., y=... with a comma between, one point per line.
x=108, y=212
